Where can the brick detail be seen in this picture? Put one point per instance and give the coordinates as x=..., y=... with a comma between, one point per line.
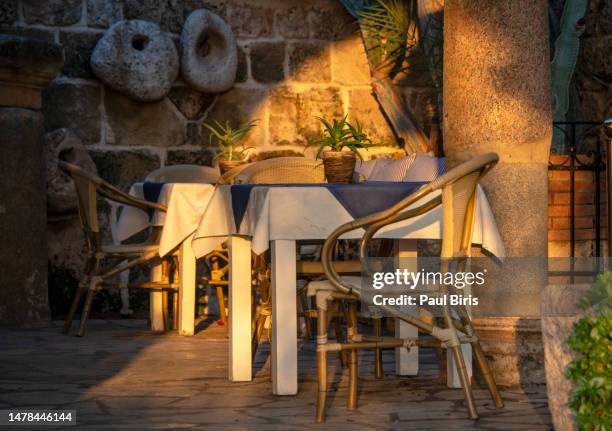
x=584, y=204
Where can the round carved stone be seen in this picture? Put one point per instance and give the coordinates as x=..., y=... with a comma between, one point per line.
x=137, y=59
x=64, y=144
x=209, y=59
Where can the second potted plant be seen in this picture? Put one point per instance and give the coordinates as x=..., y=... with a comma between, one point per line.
x=232, y=149
x=339, y=165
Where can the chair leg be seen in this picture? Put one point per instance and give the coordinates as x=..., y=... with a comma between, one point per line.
x=89, y=265
x=321, y=363
x=339, y=338
x=91, y=292
x=303, y=312
x=221, y=302
x=483, y=364
x=165, y=310
x=351, y=402
x=75, y=304
x=175, y=310
x=465, y=382
x=461, y=369
x=260, y=321
x=378, y=366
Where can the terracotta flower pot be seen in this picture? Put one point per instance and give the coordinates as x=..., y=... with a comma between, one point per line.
x=227, y=165
x=339, y=166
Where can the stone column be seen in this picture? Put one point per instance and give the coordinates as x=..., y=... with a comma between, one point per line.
x=26, y=66
x=497, y=97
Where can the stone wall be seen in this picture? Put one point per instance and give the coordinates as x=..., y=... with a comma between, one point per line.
x=297, y=59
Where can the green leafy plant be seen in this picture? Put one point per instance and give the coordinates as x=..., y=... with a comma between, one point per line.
x=341, y=134
x=592, y=368
x=230, y=139
x=390, y=28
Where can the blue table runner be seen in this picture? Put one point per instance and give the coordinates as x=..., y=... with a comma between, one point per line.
x=359, y=199
x=151, y=193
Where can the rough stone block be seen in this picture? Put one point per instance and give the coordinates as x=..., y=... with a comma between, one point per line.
x=102, y=13
x=331, y=23
x=349, y=62
x=217, y=6
x=290, y=22
x=169, y=14
x=267, y=61
x=193, y=134
x=77, y=48
x=123, y=168
x=8, y=11
x=203, y=157
x=73, y=106
x=138, y=123
x=324, y=102
x=53, y=12
x=242, y=73
x=310, y=62
x=30, y=32
x=252, y=21
x=364, y=108
x=239, y=106
x=283, y=118
x=192, y=104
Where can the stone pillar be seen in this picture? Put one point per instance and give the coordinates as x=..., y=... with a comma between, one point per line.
x=26, y=66
x=497, y=97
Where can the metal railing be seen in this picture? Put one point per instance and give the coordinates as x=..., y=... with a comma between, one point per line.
x=585, y=143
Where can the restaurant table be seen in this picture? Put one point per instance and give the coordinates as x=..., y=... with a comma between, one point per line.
x=186, y=202
x=258, y=217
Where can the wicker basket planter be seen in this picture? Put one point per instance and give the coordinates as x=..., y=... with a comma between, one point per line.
x=227, y=165
x=339, y=166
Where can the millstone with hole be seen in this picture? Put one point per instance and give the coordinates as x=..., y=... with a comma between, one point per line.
x=137, y=59
x=209, y=59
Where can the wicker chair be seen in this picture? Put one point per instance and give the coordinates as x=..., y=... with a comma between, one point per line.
x=282, y=170
x=457, y=198
x=106, y=261
x=184, y=174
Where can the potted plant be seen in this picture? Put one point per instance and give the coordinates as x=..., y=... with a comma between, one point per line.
x=338, y=164
x=230, y=141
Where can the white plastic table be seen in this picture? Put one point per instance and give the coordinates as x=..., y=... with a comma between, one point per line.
x=276, y=217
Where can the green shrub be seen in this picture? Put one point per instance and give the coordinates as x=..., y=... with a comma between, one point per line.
x=592, y=368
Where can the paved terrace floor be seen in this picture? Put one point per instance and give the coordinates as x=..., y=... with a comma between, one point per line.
x=122, y=377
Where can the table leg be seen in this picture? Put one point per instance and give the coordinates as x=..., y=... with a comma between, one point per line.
x=155, y=301
x=187, y=274
x=284, y=318
x=407, y=362
x=239, y=304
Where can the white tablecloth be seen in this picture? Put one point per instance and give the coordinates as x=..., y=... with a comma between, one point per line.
x=294, y=213
x=186, y=203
